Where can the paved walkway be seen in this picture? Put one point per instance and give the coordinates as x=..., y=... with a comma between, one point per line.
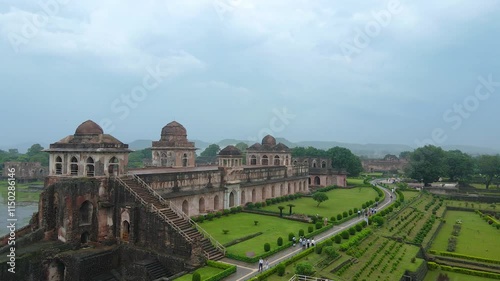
x=246, y=271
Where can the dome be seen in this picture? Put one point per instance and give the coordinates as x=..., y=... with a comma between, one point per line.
x=269, y=140
x=89, y=127
x=230, y=150
x=173, y=129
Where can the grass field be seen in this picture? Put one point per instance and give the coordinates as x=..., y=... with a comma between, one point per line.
x=355, y=181
x=242, y=224
x=372, y=174
x=433, y=276
x=23, y=192
x=477, y=238
x=205, y=272
x=483, y=186
x=339, y=200
x=410, y=194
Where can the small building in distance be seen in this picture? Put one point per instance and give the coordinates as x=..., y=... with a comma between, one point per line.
x=321, y=173
x=389, y=164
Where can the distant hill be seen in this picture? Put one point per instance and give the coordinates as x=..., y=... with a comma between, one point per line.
x=365, y=150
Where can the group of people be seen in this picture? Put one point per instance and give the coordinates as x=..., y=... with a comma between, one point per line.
x=304, y=242
x=263, y=265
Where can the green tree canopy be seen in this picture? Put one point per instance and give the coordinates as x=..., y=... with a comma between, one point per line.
x=319, y=197
x=344, y=159
x=427, y=164
x=489, y=167
x=460, y=166
x=211, y=151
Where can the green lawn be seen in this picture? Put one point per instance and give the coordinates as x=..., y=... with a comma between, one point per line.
x=410, y=194
x=433, y=276
x=205, y=272
x=477, y=238
x=339, y=200
x=242, y=224
x=23, y=192
x=355, y=181
x=483, y=186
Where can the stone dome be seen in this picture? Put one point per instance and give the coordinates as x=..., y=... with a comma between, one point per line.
x=269, y=140
x=173, y=129
x=230, y=150
x=89, y=127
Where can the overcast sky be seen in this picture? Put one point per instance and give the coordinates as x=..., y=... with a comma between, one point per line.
x=367, y=72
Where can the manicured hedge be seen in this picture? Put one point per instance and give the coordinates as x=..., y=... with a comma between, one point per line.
x=433, y=265
x=355, y=239
x=228, y=270
x=460, y=256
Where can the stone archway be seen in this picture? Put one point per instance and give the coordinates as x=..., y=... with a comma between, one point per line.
x=242, y=200
x=125, y=230
x=231, y=199
x=185, y=207
x=216, y=203
x=56, y=271
x=317, y=181
x=201, y=205
x=85, y=238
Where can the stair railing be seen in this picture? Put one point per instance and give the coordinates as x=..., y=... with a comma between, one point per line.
x=153, y=208
x=181, y=214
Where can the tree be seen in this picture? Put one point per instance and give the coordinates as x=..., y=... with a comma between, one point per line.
x=211, y=151
x=405, y=155
x=308, y=152
x=489, y=166
x=320, y=197
x=344, y=159
x=460, y=166
x=281, y=210
x=34, y=150
x=427, y=164
x=291, y=206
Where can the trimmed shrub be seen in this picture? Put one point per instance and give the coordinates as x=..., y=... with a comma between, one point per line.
x=333, y=219
x=310, y=229
x=344, y=234
x=280, y=241
x=234, y=210
x=339, y=217
x=196, y=276
x=250, y=205
x=301, y=232
x=290, y=236
x=258, y=205
x=201, y=219
x=352, y=231
x=226, y=212
x=281, y=267
x=210, y=216
x=330, y=251
x=344, y=214
x=304, y=268
x=319, y=225
x=338, y=239
x=267, y=247
x=358, y=227
x=319, y=249
x=350, y=212
x=355, y=210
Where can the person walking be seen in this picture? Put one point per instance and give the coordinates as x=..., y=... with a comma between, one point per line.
x=261, y=264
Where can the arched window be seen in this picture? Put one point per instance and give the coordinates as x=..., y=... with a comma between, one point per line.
x=306, y=163
x=185, y=207
x=125, y=230
x=277, y=160
x=323, y=164
x=216, y=203
x=90, y=167
x=263, y=194
x=84, y=238
x=287, y=161
x=201, y=204
x=58, y=165
x=253, y=160
x=163, y=159
x=74, y=166
x=309, y=180
x=184, y=160
x=317, y=181
x=113, y=166
x=295, y=162
x=314, y=164
x=86, y=211
x=289, y=188
x=273, y=192
x=265, y=160
x=254, y=198
x=231, y=199
x=242, y=199
x=56, y=270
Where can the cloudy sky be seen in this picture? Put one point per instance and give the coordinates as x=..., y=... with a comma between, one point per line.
x=405, y=72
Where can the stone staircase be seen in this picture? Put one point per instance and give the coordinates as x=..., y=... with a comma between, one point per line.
x=172, y=216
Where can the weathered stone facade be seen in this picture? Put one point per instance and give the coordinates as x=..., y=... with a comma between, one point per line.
x=390, y=163
x=321, y=173
x=26, y=171
x=92, y=209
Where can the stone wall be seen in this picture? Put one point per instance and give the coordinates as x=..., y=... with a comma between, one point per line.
x=26, y=171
